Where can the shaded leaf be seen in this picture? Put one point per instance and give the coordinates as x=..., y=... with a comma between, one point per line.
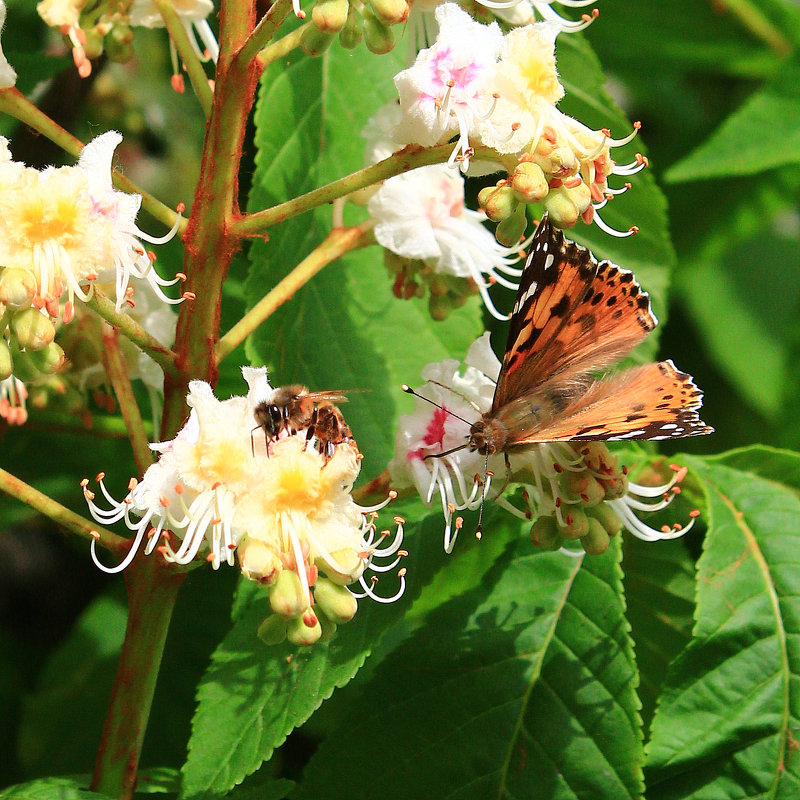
x=53, y=789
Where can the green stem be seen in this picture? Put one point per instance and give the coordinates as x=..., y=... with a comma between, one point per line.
x=69, y=520
x=118, y=375
x=131, y=329
x=282, y=47
x=152, y=590
x=408, y=158
x=337, y=243
x=95, y=426
x=759, y=25
x=194, y=67
x=264, y=31
x=13, y=103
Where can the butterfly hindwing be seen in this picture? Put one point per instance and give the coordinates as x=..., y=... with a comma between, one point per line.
x=573, y=314
x=653, y=401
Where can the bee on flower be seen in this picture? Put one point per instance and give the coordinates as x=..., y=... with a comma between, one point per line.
x=280, y=505
x=573, y=491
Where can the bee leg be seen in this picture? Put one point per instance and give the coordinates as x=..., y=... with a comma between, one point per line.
x=312, y=428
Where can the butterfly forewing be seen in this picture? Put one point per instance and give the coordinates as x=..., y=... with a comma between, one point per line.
x=572, y=315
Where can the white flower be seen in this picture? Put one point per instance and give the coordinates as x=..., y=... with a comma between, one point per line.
x=523, y=12
x=283, y=506
x=192, y=14
x=67, y=227
x=444, y=92
x=573, y=490
x=8, y=77
x=421, y=215
x=117, y=211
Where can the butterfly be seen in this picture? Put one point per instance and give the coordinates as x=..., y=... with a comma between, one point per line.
x=574, y=316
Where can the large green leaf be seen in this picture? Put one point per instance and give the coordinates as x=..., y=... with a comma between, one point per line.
x=727, y=722
x=253, y=696
x=522, y=687
x=345, y=329
x=763, y=134
x=52, y=789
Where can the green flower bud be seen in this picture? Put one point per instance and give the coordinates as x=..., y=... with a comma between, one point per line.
x=300, y=632
x=390, y=12
x=17, y=288
x=596, y=540
x=346, y=560
x=511, y=230
x=563, y=212
x=119, y=44
x=24, y=368
x=582, y=486
x=580, y=195
x=439, y=307
x=529, y=183
x=545, y=533
x=286, y=596
x=577, y=523
x=615, y=487
x=32, y=329
x=330, y=16
x=378, y=38
x=6, y=362
x=94, y=43
x=258, y=561
x=499, y=202
x=557, y=162
x=314, y=41
x=607, y=517
x=349, y=37
x=49, y=359
x=272, y=630
x=335, y=601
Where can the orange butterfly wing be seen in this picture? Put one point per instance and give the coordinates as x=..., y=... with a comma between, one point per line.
x=572, y=315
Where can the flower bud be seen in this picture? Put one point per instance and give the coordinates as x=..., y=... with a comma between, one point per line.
x=583, y=486
x=596, y=540
x=17, y=288
x=563, y=212
x=287, y=596
x=545, y=533
x=32, y=329
x=23, y=366
x=49, y=359
x=498, y=202
x=345, y=566
x=330, y=16
x=299, y=632
x=119, y=44
x=258, y=561
x=349, y=37
x=557, y=161
x=577, y=524
x=615, y=487
x=94, y=43
x=314, y=41
x=378, y=38
x=6, y=362
x=581, y=196
x=390, y=12
x=607, y=517
x=335, y=601
x=272, y=630
x=439, y=307
x=511, y=230
x=529, y=183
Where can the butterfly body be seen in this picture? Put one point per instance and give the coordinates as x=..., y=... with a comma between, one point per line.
x=574, y=316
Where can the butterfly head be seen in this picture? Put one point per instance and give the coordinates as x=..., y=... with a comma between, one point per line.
x=488, y=436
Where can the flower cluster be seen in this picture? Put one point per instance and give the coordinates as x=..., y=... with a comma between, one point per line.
x=282, y=503
x=97, y=26
x=500, y=92
x=62, y=229
x=573, y=490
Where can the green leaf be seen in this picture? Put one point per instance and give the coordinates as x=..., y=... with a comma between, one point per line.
x=53, y=789
x=727, y=722
x=345, y=329
x=763, y=134
x=522, y=687
x=253, y=696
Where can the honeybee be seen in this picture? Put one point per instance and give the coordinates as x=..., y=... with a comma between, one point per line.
x=293, y=408
x=329, y=428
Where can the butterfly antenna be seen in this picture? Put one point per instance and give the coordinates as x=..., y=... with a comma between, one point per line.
x=408, y=390
x=479, y=529
x=454, y=391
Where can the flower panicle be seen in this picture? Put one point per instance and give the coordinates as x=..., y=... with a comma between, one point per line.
x=280, y=505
